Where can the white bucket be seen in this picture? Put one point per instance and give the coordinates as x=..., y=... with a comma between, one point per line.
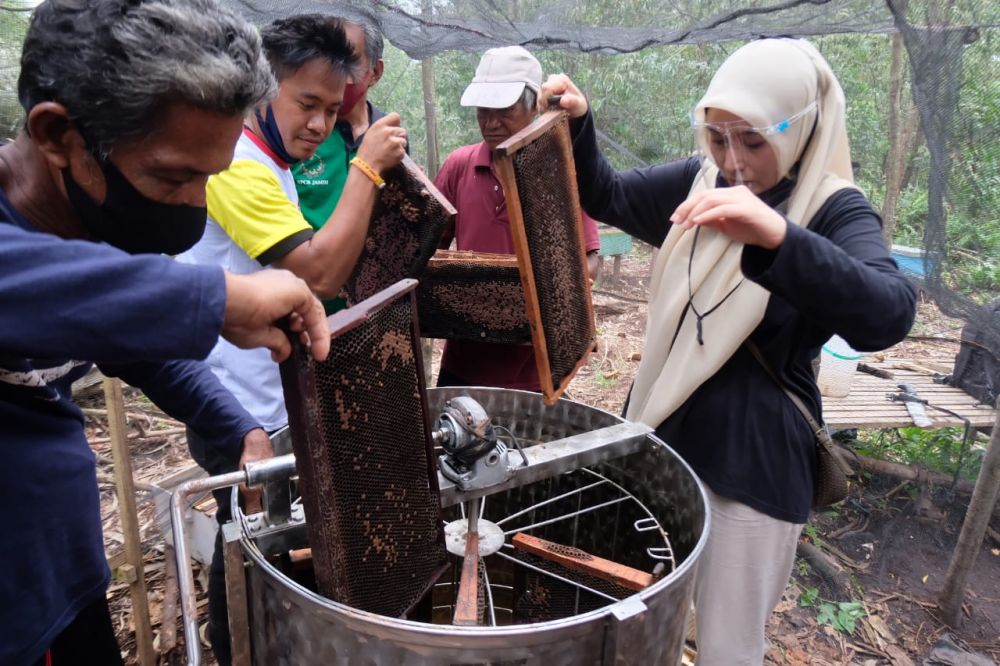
x=838, y=361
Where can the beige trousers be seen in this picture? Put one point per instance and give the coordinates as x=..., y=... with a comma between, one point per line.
x=741, y=576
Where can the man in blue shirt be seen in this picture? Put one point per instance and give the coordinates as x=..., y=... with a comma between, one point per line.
x=129, y=108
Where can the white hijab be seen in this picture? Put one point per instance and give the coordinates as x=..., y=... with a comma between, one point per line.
x=763, y=82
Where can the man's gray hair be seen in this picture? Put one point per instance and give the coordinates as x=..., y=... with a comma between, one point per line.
x=529, y=99
x=117, y=64
x=374, y=43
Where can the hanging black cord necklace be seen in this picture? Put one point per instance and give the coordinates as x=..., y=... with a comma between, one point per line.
x=698, y=315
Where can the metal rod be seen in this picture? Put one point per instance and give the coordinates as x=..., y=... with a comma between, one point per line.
x=489, y=594
x=568, y=515
x=549, y=501
x=556, y=576
x=663, y=532
x=556, y=457
x=185, y=575
x=254, y=474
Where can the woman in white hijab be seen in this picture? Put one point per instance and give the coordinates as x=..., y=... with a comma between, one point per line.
x=763, y=240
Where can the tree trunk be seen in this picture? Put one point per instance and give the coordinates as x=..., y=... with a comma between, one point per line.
x=903, y=131
x=433, y=161
x=970, y=540
x=894, y=158
x=906, y=472
x=430, y=105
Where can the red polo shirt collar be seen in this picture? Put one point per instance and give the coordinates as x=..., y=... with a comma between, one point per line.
x=483, y=159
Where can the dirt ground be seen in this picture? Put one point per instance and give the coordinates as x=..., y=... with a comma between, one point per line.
x=892, y=541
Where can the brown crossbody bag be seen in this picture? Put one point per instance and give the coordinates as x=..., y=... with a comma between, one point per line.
x=831, y=470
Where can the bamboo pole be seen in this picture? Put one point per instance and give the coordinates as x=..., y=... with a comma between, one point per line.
x=970, y=540
x=132, y=571
x=430, y=104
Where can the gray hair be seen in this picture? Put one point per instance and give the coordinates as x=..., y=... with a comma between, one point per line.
x=117, y=64
x=374, y=43
x=529, y=98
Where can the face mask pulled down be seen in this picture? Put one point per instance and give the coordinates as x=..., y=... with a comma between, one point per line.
x=353, y=92
x=133, y=222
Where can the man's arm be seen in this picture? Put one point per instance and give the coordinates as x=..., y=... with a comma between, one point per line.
x=189, y=392
x=326, y=260
x=87, y=301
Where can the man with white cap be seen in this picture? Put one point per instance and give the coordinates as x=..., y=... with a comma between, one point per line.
x=504, y=92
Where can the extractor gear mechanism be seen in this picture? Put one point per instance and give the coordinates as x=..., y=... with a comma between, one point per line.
x=473, y=457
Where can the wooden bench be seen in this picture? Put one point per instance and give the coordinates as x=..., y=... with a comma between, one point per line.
x=868, y=406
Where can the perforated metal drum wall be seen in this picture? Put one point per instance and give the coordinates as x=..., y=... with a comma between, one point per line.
x=292, y=625
x=363, y=455
x=470, y=296
x=539, y=178
x=409, y=217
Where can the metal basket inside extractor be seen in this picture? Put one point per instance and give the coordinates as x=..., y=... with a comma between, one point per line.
x=583, y=513
x=637, y=504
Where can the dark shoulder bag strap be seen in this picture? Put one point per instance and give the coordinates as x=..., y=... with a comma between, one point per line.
x=822, y=436
x=810, y=419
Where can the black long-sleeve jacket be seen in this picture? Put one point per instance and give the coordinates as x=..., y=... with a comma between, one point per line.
x=738, y=430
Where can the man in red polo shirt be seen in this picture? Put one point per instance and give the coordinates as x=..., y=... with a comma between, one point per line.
x=505, y=93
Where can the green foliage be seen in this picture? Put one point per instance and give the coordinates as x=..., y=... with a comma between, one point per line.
x=13, y=26
x=841, y=615
x=641, y=100
x=604, y=380
x=812, y=532
x=937, y=449
x=809, y=596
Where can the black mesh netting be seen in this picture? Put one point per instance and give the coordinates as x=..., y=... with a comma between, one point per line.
x=922, y=80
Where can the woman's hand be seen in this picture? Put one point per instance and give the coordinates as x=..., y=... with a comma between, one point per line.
x=572, y=100
x=736, y=212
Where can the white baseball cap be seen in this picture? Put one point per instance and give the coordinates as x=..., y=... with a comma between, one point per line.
x=501, y=77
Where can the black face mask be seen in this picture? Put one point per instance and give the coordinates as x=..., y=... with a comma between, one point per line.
x=132, y=221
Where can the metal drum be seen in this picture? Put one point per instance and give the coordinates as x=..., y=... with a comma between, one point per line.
x=646, y=510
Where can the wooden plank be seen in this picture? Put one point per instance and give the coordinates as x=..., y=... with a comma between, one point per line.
x=467, y=603
x=537, y=128
x=578, y=560
x=125, y=489
x=88, y=382
x=236, y=596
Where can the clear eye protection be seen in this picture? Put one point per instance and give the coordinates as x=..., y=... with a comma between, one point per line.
x=733, y=146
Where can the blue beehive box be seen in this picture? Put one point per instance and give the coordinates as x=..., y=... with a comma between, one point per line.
x=910, y=260
x=614, y=243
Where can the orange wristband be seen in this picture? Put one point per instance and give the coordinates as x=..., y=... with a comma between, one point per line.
x=368, y=171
